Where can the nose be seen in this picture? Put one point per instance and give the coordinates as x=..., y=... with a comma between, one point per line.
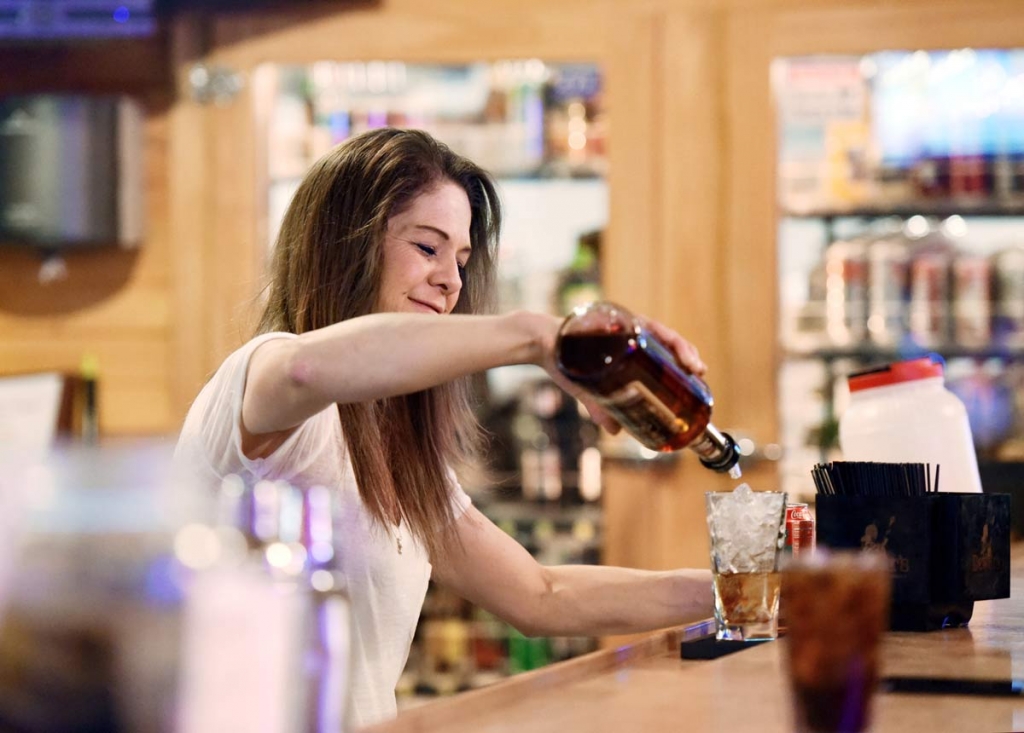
x=446, y=276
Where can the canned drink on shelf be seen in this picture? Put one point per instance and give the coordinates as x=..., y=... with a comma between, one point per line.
x=888, y=264
x=846, y=292
x=800, y=530
x=929, y=298
x=972, y=305
x=1009, y=297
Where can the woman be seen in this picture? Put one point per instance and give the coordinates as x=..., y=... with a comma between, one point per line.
x=358, y=381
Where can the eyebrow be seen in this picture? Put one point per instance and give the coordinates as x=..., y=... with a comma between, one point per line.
x=441, y=233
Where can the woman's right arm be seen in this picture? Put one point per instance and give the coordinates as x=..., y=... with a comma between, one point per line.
x=383, y=355
x=387, y=354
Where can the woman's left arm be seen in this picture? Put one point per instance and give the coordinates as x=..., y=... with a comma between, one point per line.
x=492, y=570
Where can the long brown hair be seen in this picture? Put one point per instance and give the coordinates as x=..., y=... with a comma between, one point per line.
x=326, y=268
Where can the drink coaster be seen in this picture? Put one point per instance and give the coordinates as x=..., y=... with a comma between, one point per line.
x=708, y=647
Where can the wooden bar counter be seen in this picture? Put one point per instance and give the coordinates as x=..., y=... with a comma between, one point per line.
x=645, y=686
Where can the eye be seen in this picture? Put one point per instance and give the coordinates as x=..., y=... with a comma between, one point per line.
x=426, y=249
x=462, y=273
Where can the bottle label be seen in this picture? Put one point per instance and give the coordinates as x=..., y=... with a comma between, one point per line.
x=640, y=411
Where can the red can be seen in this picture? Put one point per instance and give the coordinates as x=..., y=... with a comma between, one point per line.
x=799, y=529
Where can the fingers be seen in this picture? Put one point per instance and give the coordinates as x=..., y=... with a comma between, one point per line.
x=601, y=417
x=593, y=408
x=686, y=352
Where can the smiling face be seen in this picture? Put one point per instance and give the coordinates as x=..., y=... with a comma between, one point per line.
x=425, y=250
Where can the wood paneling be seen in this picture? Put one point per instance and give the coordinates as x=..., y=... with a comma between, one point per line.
x=114, y=304
x=190, y=210
x=631, y=255
x=453, y=30
x=134, y=66
x=749, y=296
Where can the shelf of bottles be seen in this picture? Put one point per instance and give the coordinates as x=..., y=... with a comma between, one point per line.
x=900, y=183
x=517, y=118
x=540, y=129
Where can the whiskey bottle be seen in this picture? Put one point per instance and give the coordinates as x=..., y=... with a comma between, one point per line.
x=611, y=353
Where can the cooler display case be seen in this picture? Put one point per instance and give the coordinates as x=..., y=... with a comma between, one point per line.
x=900, y=184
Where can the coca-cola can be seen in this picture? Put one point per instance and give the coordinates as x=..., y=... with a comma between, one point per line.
x=799, y=529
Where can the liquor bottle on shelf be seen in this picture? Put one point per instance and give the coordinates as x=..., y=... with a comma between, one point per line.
x=580, y=283
x=608, y=351
x=540, y=454
x=89, y=406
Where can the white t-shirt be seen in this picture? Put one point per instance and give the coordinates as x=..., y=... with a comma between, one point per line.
x=386, y=587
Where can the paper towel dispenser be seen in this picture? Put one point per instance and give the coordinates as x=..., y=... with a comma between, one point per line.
x=71, y=171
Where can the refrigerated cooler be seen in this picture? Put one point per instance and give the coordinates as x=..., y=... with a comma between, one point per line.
x=900, y=191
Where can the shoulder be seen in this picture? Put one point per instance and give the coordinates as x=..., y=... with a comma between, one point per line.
x=219, y=401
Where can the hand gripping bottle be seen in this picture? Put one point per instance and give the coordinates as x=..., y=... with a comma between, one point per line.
x=609, y=352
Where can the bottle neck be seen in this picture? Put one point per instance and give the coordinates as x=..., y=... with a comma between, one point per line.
x=717, y=451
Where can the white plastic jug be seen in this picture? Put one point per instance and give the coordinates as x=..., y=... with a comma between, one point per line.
x=903, y=413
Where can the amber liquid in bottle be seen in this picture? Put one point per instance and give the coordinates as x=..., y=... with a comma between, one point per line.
x=638, y=381
x=686, y=411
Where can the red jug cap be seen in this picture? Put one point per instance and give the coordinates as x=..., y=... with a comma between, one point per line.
x=900, y=371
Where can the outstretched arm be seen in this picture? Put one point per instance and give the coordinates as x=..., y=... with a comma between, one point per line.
x=382, y=355
x=387, y=354
x=494, y=571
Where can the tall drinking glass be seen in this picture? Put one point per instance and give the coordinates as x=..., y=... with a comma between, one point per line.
x=837, y=608
x=747, y=531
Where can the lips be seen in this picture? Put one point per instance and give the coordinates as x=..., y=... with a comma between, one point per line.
x=429, y=306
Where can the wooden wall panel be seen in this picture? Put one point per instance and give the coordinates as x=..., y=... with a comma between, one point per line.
x=451, y=30
x=749, y=299
x=113, y=305
x=189, y=214
x=630, y=256
x=135, y=66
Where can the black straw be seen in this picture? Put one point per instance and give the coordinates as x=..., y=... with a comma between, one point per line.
x=868, y=478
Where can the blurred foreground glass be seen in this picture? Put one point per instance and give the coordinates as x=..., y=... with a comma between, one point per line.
x=837, y=606
x=89, y=627
x=747, y=530
x=267, y=623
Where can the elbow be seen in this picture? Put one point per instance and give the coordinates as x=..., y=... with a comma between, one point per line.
x=534, y=616
x=299, y=369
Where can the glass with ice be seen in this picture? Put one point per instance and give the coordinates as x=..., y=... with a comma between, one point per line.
x=747, y=532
